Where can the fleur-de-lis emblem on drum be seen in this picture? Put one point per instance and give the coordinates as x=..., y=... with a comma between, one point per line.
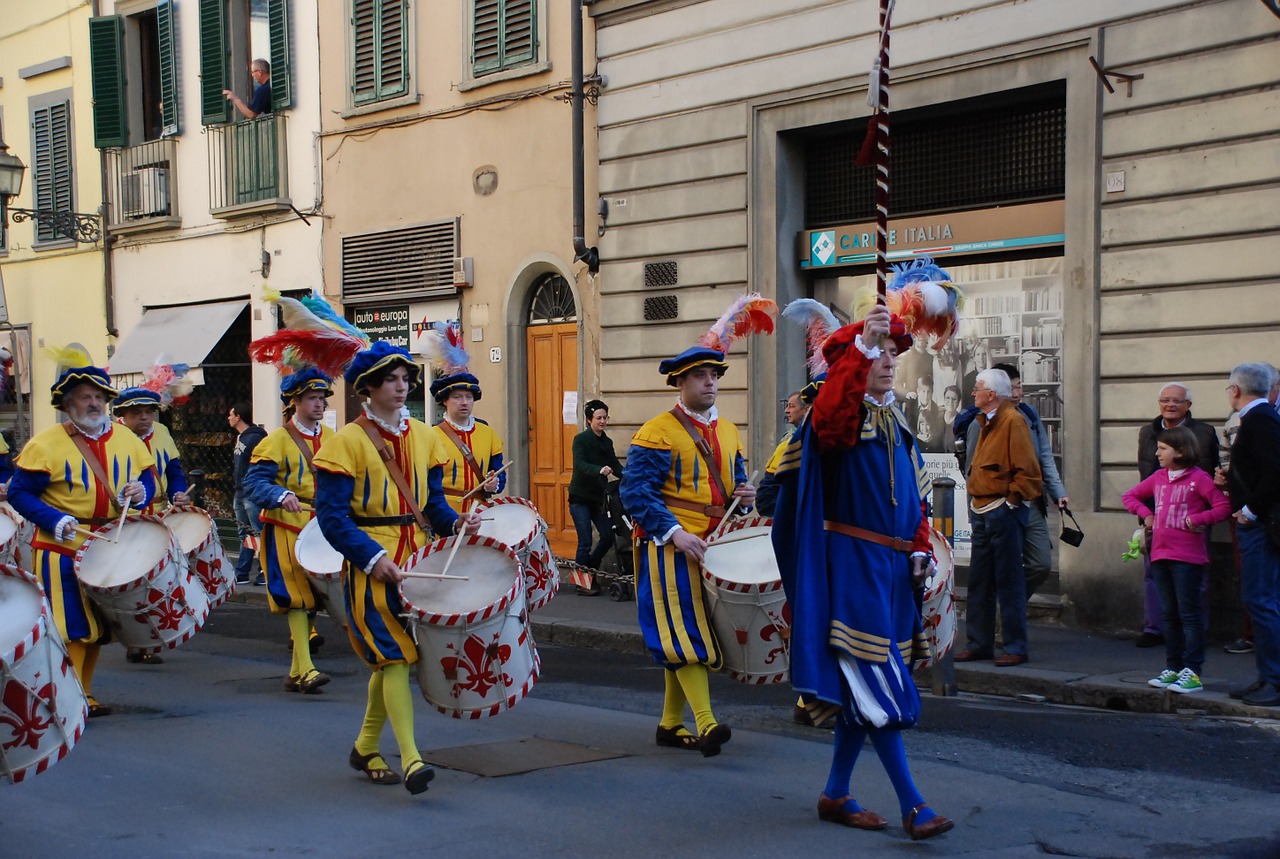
x=479, y=667
x=167, y=610
x=779, y=630
x=538, y=573
x=209, y=573
x=21, y=714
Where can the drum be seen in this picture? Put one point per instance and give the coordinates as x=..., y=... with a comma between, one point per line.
x=198, y=537
x=476, y=655
x=42, y=706
x=746, y=603
x=10, y=535
x=323, y=564
x=938, y=608
x=516, y=522
x=19, y=549
x=142, y=584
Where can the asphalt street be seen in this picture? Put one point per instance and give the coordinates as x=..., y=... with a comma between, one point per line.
x=207, y=756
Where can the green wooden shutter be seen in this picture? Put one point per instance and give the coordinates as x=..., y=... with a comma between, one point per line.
x=214, y=71
x=168, y=68
x=53, y=179
x=281, y=70
x=486, y=39
x=504, y=34
x=364, y=70
x=106, y=59
x=380, y=67
x=393, y=60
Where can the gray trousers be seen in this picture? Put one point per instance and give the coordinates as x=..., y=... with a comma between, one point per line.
x=1037, y=551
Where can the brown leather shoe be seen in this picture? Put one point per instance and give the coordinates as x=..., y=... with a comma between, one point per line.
x=928, y=829
x=832, y=810
x=967, y=655
x=1008, y=660
x=310, y=683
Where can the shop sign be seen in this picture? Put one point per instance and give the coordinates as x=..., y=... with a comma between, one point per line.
x=389, y=322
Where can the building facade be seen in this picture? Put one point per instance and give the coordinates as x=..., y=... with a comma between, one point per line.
x=1102, y=179
x=445, y=151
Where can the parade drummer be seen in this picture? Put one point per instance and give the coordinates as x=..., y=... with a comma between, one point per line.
x=138, y=409
x=377, y=525
x=281, y=480
x=852, y=539
x=473, y=447
x=684, y=467
x=71, y=475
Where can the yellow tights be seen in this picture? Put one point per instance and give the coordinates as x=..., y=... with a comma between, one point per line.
x=84, y=658
x=688, y=684
x=300, y=630
x=390, y=699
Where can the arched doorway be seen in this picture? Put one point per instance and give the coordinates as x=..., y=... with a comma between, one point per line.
x=551, y=341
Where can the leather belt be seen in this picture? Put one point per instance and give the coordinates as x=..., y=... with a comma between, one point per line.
x=857, y=533
x=714, y=511
x=404, y=519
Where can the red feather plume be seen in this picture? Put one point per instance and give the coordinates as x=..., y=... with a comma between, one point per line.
x=749, y=314
x=328, y=350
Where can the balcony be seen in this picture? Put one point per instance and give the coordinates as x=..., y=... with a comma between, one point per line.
x=142, y=187
x=248, y=170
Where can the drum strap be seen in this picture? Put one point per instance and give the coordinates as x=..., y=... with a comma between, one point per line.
x=462, y=447
x=393, y=468
x=857, y=533
x=303, y=445
x=95, y=464
x=704, y=448
x=713, y=511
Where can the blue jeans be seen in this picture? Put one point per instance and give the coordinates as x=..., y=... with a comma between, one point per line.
x=995, y=572
x=1182, y=619
x=584, y=516
x=1260, y=587
x=246, y=524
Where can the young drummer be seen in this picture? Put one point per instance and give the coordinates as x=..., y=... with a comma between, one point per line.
x=366, y=516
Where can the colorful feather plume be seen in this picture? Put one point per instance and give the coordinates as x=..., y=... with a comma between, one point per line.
x=168, y=380
x=818, y=322
x=312, y=335
x=71, y=355
x=924, y=296
x=443, y=349
x=749, y=314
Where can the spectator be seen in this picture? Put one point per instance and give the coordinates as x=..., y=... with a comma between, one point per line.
x=247, y=514
x=1179, y=502
x=260, y=101
x=593, y=463
x=794, y=411
x=1175, y=410
x=1254, y=485
x=1004, y=480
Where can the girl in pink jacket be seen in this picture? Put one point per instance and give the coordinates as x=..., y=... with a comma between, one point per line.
x=1186, y=503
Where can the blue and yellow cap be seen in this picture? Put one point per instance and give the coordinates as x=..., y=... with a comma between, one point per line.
x=74, y=376
x=809, y=392
x=694, y=356
x=379, y=356
x=444, y=386
x=135, y=397
x=305, y=381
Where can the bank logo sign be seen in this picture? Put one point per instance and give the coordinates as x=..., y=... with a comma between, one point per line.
x=821, y=247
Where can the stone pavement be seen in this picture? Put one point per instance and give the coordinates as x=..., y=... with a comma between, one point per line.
x=1067, y=666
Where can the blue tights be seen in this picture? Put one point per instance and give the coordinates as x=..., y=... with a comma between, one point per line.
x=893, y=756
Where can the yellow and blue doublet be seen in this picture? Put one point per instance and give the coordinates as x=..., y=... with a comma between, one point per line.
x=277, y=467
x=169, y=476
x=459, y=479
x=362, y=513
x=666, y=484
x=54, y=480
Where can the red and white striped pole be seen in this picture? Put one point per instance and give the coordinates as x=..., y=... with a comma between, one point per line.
x=881, y=118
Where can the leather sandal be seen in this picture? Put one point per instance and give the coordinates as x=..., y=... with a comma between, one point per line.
x=291, y=683
x=144, y=658
x=418, y=776
x=715, y=737
x=928, y=829
x=96, y=709
x=310, y=683
x=377, y=775
x=833, y=811
x=673, y=738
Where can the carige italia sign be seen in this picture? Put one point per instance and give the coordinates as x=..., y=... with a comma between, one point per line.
x=1028, y=225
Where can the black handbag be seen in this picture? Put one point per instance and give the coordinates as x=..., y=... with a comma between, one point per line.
x=1070, y=536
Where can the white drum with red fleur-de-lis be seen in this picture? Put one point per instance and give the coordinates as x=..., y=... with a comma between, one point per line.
x=517, y=523
x=476, y=655
x=745, y=600
x=15, y=537
x=138, y=577
x=938, y=605
x=42, y=705
x=207, y=560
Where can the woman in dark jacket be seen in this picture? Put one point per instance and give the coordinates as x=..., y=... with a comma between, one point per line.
x=593, y=462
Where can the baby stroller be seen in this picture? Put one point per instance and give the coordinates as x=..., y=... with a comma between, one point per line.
x=622, y=587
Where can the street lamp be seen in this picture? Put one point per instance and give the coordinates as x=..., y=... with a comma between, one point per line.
x=73, y=225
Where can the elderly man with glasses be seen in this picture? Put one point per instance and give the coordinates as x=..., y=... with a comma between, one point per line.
x=1175, y=410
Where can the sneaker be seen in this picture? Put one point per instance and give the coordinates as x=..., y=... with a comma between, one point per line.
x=1188, y=682
x=1240, y=645
x=259, y=582
x=1166, y=679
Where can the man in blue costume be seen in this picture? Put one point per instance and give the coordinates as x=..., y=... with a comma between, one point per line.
x=852, y=540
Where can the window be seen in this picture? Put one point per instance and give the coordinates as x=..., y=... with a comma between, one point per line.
x=134, y=74
x=234, y=33
x=380, y=50
x=504, y=35
x=52, y=174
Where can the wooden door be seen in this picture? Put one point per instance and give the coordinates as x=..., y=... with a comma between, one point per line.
x=553, y=369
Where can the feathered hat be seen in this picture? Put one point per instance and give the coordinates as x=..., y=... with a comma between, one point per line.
x=164, y=384
x=304, y=381
x=135, y=396
x=443, y=349
x=381, y=355
x=749, y=314
x=923, y=296
x=312, y=335
x=76, y=367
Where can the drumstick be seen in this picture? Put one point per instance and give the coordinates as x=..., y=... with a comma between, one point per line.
x=736, y=498
x=457, y=541
x=411, y=575
x=486, y=480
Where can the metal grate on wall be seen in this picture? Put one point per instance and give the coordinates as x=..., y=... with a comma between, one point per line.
x=666, y=273
x=661, y=307
x=992, y=150
x=414, y=262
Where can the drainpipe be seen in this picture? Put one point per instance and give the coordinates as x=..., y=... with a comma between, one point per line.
x=591, y=256
x=108, y=273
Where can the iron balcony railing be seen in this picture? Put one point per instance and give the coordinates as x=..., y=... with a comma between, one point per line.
x=142, y=182
x=247, y=163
